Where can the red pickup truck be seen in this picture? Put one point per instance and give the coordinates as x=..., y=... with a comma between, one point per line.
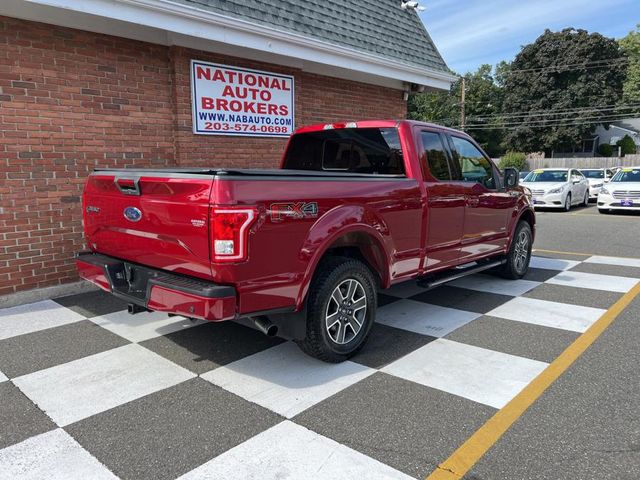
x=302, y=250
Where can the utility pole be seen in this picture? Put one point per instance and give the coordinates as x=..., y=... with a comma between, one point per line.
x=462, y=98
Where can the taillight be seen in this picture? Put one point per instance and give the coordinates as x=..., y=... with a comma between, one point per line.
x=230, y=232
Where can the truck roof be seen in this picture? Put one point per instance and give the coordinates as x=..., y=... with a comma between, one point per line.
x=372, y=124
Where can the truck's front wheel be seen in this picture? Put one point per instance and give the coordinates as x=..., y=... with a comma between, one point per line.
x=340, y=309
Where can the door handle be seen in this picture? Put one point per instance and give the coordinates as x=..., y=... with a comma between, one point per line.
x=473, y=201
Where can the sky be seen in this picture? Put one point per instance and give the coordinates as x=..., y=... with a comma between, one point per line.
x=469, y=33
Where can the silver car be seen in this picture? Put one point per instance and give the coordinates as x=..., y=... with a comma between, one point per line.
x=557, y=187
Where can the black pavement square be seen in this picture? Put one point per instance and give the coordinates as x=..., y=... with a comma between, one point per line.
x=210, y=345
x=384, y=299
x=540, y=274
x=92, y=304
x=39, y=350
x=387, y=344
x=601, y=269
x=516, y=338
x=168, y=433
x=585, y=297
x=19, y=417
x=462, y=299
x=403, y=424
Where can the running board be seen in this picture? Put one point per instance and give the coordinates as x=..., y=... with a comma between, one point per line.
x=436, y=280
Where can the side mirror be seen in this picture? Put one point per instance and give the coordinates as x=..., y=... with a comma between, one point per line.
x=511, y=178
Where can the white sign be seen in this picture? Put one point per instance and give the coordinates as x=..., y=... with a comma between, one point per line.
x=238, y=101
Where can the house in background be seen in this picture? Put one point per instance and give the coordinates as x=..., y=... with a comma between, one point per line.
x=617, y=131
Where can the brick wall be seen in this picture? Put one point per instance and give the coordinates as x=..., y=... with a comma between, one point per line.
x=71, y=101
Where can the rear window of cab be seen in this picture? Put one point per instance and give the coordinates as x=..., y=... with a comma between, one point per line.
x=356, y=150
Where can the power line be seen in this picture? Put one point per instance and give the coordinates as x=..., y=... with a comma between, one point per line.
x=570, y=122
x=474, y=120
x=551, y=112
x=570, y=66
x=573, y=66
x=551, y=120
x=551, y=123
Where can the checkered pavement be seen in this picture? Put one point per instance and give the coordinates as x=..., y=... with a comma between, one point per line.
x=89, y=391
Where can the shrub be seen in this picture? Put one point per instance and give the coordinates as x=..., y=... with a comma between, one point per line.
x=628, y=145
x=605, y=150
x=516, y=160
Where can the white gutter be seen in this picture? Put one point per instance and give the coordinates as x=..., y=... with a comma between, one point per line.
x=204, y=24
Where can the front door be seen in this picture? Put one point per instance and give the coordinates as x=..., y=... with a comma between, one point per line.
x=445, y=203
x=488, y=208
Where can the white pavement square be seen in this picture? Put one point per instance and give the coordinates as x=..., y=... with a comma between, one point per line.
x=76, y=390
x=548, y=314
x=423, y=318
x=552, y=263
x=484, y=376
x=289, y=451
x=285, y=380
x=54, y=455
x=501, y=286
x=143, y=326
x=3, y=377
x=33, y=317
x=404, y=290
x=594, y=281
x=618, y=261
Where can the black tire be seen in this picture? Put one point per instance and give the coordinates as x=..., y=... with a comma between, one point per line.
x=517, y=265
x=585, y=203
x=567, y=203
x=604, y=211
x=338, y=274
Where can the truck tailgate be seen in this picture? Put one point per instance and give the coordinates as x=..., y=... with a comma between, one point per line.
x=159, y=219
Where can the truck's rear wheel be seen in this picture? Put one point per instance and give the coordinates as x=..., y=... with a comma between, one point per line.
x=519, y=254
x=340, y=310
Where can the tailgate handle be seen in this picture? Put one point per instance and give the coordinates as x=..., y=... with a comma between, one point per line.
x=128, y=186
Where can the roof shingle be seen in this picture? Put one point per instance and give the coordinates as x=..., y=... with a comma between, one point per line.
x=378, y=27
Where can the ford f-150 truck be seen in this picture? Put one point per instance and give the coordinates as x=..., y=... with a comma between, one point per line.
x=302, y=250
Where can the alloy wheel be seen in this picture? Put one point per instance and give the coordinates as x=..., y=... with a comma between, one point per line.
x=346, y=311
x=521, y=251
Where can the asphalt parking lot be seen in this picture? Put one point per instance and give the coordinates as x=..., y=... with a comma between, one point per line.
x=89, y=391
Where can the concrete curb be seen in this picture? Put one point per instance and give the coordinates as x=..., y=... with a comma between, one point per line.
x=38, y=294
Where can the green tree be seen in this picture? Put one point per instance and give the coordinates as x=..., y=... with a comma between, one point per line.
x=483, y=102
x=631, y=46
x=515, y=160
x=553, y=77
x=627, y=144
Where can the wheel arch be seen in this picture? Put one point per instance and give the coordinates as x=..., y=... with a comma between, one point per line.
x=358, y=241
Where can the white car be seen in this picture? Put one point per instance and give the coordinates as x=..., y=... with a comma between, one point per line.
x=557, y=187
x=597, y=178
x=622, y=192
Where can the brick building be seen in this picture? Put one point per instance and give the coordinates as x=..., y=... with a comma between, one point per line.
x=108, y=83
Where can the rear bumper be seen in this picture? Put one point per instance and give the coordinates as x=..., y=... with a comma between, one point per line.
x=158, y=290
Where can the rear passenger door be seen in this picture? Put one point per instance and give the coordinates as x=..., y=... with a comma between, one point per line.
x=488, y=208
x=445, y=202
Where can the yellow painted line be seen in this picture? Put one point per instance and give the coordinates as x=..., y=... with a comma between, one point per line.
x=468, y=454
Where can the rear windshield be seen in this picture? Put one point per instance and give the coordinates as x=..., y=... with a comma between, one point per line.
x=593, y=173
x=627, y=175
x=357, y=150
x=547, y=176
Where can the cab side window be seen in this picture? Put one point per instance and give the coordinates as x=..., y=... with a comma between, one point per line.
x=471, y=164
x=436, y=155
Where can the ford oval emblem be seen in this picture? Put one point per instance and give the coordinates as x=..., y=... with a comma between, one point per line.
x=132, y=214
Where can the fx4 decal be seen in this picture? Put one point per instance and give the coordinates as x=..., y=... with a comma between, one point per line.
x=279, y=211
